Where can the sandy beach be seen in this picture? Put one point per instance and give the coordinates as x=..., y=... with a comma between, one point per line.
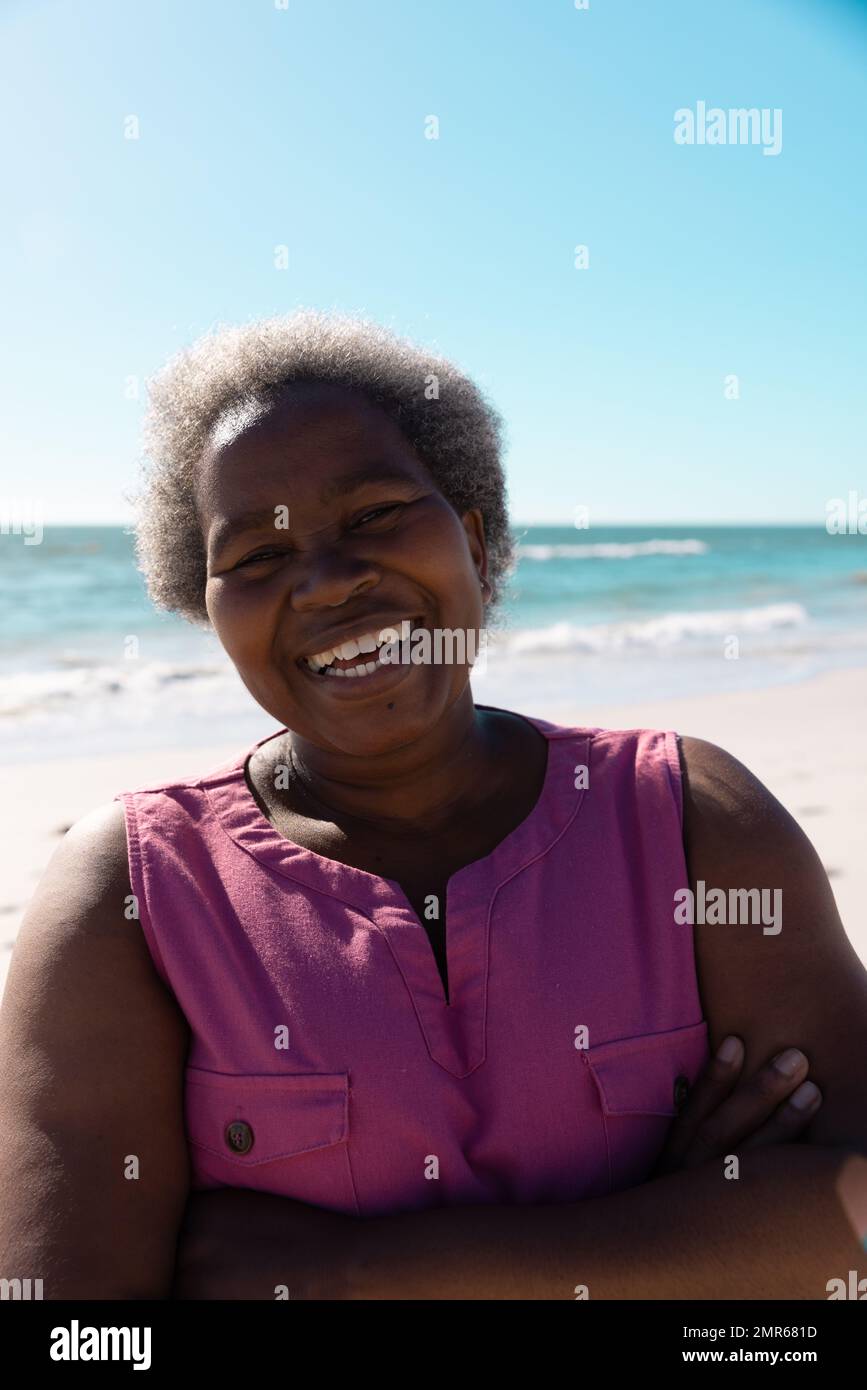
x=804, y=741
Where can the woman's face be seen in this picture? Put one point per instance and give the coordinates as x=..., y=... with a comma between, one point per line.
x=322, y=524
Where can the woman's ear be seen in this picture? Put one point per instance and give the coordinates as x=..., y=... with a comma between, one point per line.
x=474, y=526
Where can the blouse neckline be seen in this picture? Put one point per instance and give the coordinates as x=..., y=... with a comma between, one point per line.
x=239, y=813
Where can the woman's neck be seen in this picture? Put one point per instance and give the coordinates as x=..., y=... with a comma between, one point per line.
x=425, y=784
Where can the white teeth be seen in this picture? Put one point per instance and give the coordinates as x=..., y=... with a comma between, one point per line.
x=352, y=671
x=366, y=670
x=320, y=659
x=369, y=642
x=394, y=634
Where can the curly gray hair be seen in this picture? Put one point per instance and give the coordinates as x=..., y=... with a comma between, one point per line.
x=453, y=428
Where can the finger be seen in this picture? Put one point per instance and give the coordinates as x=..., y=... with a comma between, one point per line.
x=750, y=1105
x=713, y=1086
x=789, y=1120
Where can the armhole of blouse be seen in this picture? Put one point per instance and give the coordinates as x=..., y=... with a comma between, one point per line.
x=137, y=883
x=675, y=776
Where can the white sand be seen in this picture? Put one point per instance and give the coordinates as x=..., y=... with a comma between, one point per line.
x=806, y=742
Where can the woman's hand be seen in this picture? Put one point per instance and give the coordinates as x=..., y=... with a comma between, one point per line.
x=239, y=1244
x=724, y=1114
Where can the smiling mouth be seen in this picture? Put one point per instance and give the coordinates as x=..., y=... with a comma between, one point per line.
x=359, y=657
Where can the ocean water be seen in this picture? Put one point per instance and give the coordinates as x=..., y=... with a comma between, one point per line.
x=609, y=614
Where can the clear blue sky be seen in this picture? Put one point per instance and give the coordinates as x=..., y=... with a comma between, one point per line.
x=262, y=126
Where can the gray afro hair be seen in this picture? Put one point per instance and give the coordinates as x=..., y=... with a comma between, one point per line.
x=458, y=435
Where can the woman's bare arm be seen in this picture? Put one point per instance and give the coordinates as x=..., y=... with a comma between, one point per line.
x=780, y=1230
x=93, y=1161
x=803, y=982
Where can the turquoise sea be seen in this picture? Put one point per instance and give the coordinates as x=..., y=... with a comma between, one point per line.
x=614, y=613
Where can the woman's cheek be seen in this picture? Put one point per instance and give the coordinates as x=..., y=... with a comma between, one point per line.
x=239, y=614
x=432, y=545
x=219, y=605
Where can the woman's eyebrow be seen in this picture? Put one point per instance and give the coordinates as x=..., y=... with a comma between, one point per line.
x=232, y=527
x=226, y=531
x=365, y=474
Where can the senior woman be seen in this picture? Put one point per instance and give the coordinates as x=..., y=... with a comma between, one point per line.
x=397, y=1004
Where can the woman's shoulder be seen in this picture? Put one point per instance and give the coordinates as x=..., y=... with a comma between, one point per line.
x=639, y=745
x=563, y=727
x=93, y=855
x=227, y=769
x=170, y=805
x=93, y=851
x=83, y=908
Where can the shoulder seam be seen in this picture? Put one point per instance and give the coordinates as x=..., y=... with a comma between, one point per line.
x=138, y=883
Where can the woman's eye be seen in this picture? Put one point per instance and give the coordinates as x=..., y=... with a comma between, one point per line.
x=375, y=514
x=378, y=512
x=260, y=555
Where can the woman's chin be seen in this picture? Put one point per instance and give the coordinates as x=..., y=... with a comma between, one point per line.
x=376, y=714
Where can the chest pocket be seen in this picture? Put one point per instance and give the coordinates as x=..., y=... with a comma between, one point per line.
x=284, y=1133
x=641, y=1083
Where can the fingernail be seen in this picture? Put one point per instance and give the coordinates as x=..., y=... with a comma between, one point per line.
x=805, y=1097
x=729, y=1050
x=789, y=1061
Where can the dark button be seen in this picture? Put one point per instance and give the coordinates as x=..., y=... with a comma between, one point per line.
x=239, y=1136
x=681, y=1091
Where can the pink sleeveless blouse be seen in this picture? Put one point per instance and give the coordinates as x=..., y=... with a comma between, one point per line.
x=325, y=1064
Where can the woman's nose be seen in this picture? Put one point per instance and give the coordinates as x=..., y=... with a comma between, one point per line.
x=326, y=582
